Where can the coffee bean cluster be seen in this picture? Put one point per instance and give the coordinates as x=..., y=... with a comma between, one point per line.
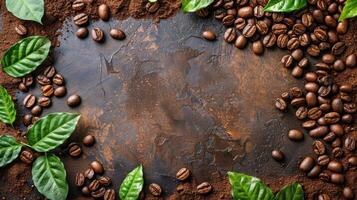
x=51, y=84
x=94, y=184
x=81, y=19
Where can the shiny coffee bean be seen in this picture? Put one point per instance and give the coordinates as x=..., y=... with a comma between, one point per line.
x=278, y=155
x=94, y=185
x=85, y=191
x=97, y=35
x=97, y=167
x=81, y=19
x=29, y=101
x=280, y=104
x=49, y=72
x=301, y=112
x=21, y=30
x=80, y=178
x=323, y=160
x=36, y=110
x=337, y=129
x=43, y=80
x=82, y=33
x=324, y=177
x=258, y=47
x=295, y=135
x=298, y=102
x=307, y=164
x=339, y=66
x=338, y=48
x=23, y=88
x=314, y=172
x=204, y=12
x=332, y=117
x=27, y=156
x=352, y=161
x=152, y=7
x=204, y=188
x=323, y=197
x=311, y=87
x=337, y=152
x=346, y=118
x=98, y=193
x=110, y=194
x=335, y=166
x=262, y=28
x=319, y=147
x=314, y=113
x=282, y=41
x=313, y=50
x=351, y=61
x=287, y=61
x=297, y=54
x=350, y=143
x=74, y=100
x=209, y=35
x=183, y=174
x=297, y=72
x=27, y=120
x=117, y=34
x=241, y=42
x=350, y=108
x=348, y=193
x=293, y=44
x=58, y=79
x=78, y=5
x=337, y=178
x=342, y=27
x=88, y=140
x=44, y=102
x=155, y=189
x=89, y=173
x=337, y=105
x=60, y=91
x=318, y=132
x=74, y=150
x=249, y=30
x=230, y=35
x=47, y=90
x=311, y=77
x=104, y=181
x=336, y=143
x=103, y=12
x=311, y=99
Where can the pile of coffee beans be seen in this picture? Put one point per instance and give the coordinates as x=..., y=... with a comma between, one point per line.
x=316, y=53
x=82, y=20
x=51, y=84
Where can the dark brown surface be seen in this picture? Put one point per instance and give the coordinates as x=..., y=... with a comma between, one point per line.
x=170, y=99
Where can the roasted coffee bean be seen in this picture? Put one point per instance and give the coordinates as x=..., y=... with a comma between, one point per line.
x=313, y=50
x=314, y=113
x=307, y=19
x=97, y=35
x=337, y=178
x=324, y=91
x=321, y=4
x=280, y=104
x=335, y=166
x=282, y=41
x=117, y=34
x=338, y=48
x=228, y=4
x=319, y=147
x=262, y=27
x=293, y=43
x=82, y=32
x=36, y=110
x=152, y=7
x=348, y=193
x=337, y=129
x=310, y=124
x=325, y=107
x=241, y=42
x=29, y=101
x=278, y=17
x=318, y=16
x=60, y=91
x=351, y=61
x=27, y=120
x=230, y=35
x=58, y=79
x=49, y=72
x=110, y=194
x=44, y=102
x=314, y=172
x=301, y=112
x=345, y=97
x=103, y=12
x=240, y=23
x=311, y=77
x=94, y=185
x=324, y=177
x=318, y=132
x=330, y=21
x=332, y=117
x=23, y=88
x=269, y=40
x=209, y=35
x=346, y=118
x=245, y=12
x=183, y=174
x=323, y=100
x=323, y=197
x=324, y=46
x=325, y=80
x=352, y=161
x=350, y=108
x=74, y=100
x=220, y=14
x=259, y=11
x=80, y=178
x=339, y=66
x=295, y=135
x=322, y=66
x=21, y=30
x=155, y=189
x=323, y=160
x=27, y=156
x=311, y=87
x=105, y=181
x=98, y=193
x=297, y=54
x=298, y=102
x=311, y=99
x=304, y=63
x=304, y=40
x=78, y=5
x=47, y=90
x=336, y=143
x=297, y=72
x=81, y=19
x=204, y=188
x=97, y=167
x=249, y=30
x=74, y=150
x=85, y=191
x=346, y=88
x=342, y=27
x=337, y=105
x=258, y=47
x=204, y=12
x=289, y=21
x=88, y=140
x=321, y=34
x=285, y=96
x=287, y=61
x=43, y=80
x=350, y=143
x=279, y=29
x=89, y=173
x=307, y=164
x=337, y=152
x=299, y=29
x=321, y=121
x=228, y=20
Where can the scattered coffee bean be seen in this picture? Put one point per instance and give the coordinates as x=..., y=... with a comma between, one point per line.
x=278, y=155
x=110, y=194
x=94, y=185
x=337, y=152
x=350, y=143
x=155, y=189
x=82, y=33
x=98, y=193
x=241, y=42
x=29, y=101
x=49, y=72
x=27, y=156
x=58, y=79
x=351, y=61
x=23, y=88
x=44, y=102
x=117, y=34
x=352, y=161
x=97, y=35
x=89, y=173
x=43, y=80
x=348, y=193
x=78, y=5
x=314, y=172
x=230, y=35
x=307, y=164
x=323, y=197
x=36, y=110
x=79, y=179
x=88, y=140
x=209, y=35
x=97, y=167
x=323, y=160
x=74, y=150
x=319, y=147
x=204, y=188
x=183, y=174
x=74, y=100
x=21, y=30
x=81, y=19
x=47, y=90
x=60, y=91
x=258, y=47
x=280, y=104
x=152, y=7
x=287, y=61
x=295, y=135
x=335, y=166
x=27, y=120
x=103, y=12
x=249, y=30
x=104, y=181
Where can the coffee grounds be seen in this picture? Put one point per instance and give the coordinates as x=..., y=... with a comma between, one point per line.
x=16, y=178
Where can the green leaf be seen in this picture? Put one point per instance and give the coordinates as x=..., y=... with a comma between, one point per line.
x=152, y=1
x=25, y=56
x=52, y=130
x=49, y=177
x=349, y=10
x=291, y=192
x=284, y=5
x=26, y=9
x=7, y=107
x=9, y=149
x=246, y=187
x=132, y=184
x=194, y=5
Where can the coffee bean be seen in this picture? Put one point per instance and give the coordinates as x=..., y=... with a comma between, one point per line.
x=240, y=23
x=245, y=12
x=301, y=112
x=339, y=66
x=27, y=156
x=307, y=164
x=35, y=119
x=324, y=177
x=282, y=41
x=321, y=121
x=94, y=185
x=110, y=194
x=183, y=174
x=348, y=193
x=88, y=140
x=314, y=113
x=298, y=102
x=241, y=42
x=220, y=14
x=117, y=34
x=337, y=105
x=47, y=90
x=43, y=80
x=279, y=29
x=311, y=87
x=311, y=99
x=89, y=173
x=324, y=91
x=318, y=16
x=278, y=17
x=304, y=40
x=287, y=61
x=21, y=30
x=323, y=197
x=230, y=35
x=74, y=100
x=346, y=118
x=352, y=161
x=204, y=12
x=325, y=107
x=79, y=179
x=332, y=117
x=338, y=48
x=98, y=193
x=262, y=27
x=285, y=96
x=204, y=188
x=307, y=19
x=311, y=77
x=259, y=11
x=152, y=7
x=280, y=104
x=228, y=20
x=209, y=35
x=74, y=150
x=337, y=178
x=104, y=180
x=330, y=21
x=36, y=110
x=103, y=12
x=350, y=143
x=337, y=129
x=351, y=61
x=27, y=120
x=81, y=19
x=346, y=88
x=155, y=189
x=350, y=108
x=82, y=32
x=23, y=88
x=319, y=147
x=258, y=47
x=320, y=34
x=335, y=166
x=29, y=101
x=295, y=135
x=297, y=72
x=249, y=30
x=313, y=50
x=97, y=167
x=278, y=155
x=318, y=132
x=314, y=172
x=299, y=29
x=337, y=152
x=78, y=5
x=323, y=160
x=297, y=54
x=58, y=79
x=336, y=143
x=304, y=63
x=85, y=191
x=293, y=43
x=44, y=102
x=321, y=4
x=310, y=124
x=97, y=35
